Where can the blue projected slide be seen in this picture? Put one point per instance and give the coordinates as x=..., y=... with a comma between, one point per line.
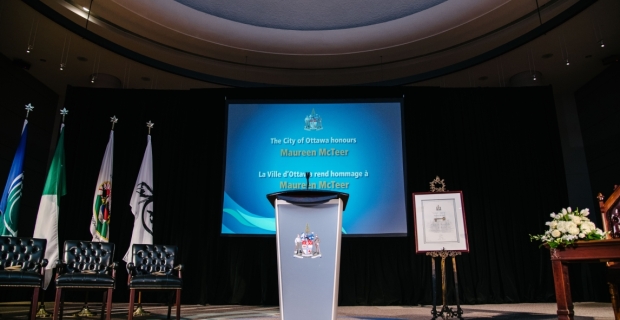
x=354, y=148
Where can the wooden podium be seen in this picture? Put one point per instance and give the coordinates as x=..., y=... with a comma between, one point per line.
x=586, y=251
x=607, y=251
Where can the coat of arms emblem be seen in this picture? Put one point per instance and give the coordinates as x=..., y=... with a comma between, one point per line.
x=313, y=122
x=307, y=245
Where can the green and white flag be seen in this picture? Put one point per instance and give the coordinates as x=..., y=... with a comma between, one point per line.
x=102, y=201
x=46, y=226
x=142, y=203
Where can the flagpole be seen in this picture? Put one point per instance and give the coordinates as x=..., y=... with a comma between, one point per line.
x=139, y=310
x=41, y=312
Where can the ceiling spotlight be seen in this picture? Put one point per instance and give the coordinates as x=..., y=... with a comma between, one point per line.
x=92, y=79
x=602, y=44
x=62, y=66
x=534, y=77
x=30, y=47
x=567, y=63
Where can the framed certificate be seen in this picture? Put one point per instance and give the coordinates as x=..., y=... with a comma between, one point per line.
x=439, y=220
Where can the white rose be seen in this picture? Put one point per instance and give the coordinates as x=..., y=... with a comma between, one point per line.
x=561, y=226
x=553, y=224
x=573, y=230
x=582, y=235
x=556, y=233
x=576, y=220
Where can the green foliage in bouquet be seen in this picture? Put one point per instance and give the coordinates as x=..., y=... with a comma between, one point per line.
x=567, y=227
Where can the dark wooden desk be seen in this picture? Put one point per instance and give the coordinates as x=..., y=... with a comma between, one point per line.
x=586, y=251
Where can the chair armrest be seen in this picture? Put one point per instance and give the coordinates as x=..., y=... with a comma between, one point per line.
x=112, y=266
x=130, y=271
x=40, y=266
x=61, y=267
x=179, y=268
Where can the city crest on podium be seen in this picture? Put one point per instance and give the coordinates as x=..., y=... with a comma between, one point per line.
x=307, y=245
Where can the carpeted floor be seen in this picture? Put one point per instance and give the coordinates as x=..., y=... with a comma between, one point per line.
x=535, y=311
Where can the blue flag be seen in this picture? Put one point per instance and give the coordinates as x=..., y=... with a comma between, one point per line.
x=11, y=197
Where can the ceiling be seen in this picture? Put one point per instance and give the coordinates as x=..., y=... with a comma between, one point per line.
x=183, y=44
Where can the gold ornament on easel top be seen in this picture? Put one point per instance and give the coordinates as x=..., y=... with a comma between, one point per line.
x=438, y=185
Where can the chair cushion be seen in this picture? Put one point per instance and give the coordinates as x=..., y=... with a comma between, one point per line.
x=150, y=281
x=78, y=279
x=20, y=279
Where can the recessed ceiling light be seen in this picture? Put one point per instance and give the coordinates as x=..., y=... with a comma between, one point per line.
x=82, y=58
x=547, y=55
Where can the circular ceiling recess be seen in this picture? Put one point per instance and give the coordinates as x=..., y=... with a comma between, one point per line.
x=307, y=15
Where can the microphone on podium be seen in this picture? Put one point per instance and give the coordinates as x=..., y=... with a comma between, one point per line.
x=307, y=180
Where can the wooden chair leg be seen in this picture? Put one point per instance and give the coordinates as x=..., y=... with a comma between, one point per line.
x=132, y=297
x=170, y=303
x=35, y=301
x=103, y=302
x=109, y=304
x=62, y=307
x=178, y=304
x=57, y=303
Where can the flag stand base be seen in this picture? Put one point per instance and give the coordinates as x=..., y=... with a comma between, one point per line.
x=85, y=312
x=42, y=313
x=140, y=312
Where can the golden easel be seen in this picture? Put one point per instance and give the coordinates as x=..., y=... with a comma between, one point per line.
x=446, y=311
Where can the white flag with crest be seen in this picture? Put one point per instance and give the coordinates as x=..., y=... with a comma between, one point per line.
x=142, y=203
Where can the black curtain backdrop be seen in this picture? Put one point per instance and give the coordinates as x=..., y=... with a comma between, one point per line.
x=500, y=146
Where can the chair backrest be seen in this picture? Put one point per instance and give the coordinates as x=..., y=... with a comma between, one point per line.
x=148, y=258
x=26, y=252
x=87, y=255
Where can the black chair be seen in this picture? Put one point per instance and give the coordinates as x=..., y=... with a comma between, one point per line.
x=86, y=266
x=22, y=264
x=152, y=268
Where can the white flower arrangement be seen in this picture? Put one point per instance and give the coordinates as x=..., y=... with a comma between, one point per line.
x=567, y=227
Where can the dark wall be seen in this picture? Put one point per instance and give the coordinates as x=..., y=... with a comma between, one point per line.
x=503, y=153
x=599, y=115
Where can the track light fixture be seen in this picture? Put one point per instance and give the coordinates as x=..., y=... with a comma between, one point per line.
x=92, y=78
x=567, y=63
x=62, y=66
x=534, y=77
x=30, y=47
x=602, y=44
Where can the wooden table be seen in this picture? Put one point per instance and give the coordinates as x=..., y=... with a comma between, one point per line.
x=586, y=251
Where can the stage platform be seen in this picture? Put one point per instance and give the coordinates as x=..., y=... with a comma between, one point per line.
x=535, y=311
